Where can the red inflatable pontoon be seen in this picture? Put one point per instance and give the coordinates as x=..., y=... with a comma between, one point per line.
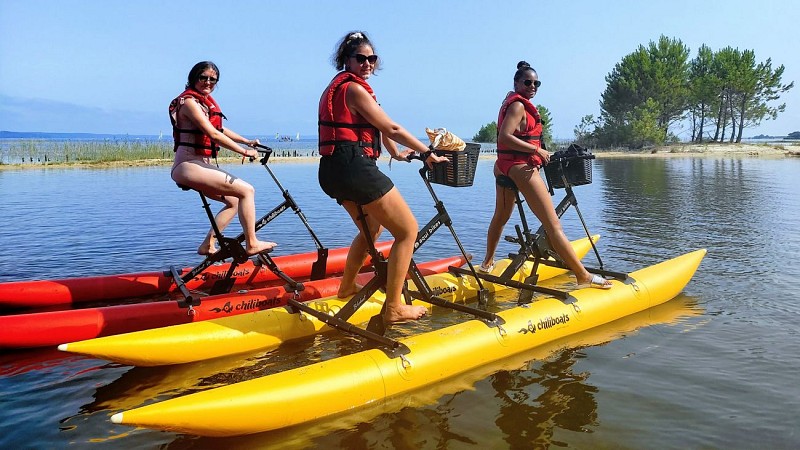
x=69, y=291
x=56, y=327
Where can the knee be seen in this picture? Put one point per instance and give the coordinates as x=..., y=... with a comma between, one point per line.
x=407, y=231
x=246, y=190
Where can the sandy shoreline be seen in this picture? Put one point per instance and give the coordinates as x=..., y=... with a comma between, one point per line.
x=789, y=149
x=712, y=150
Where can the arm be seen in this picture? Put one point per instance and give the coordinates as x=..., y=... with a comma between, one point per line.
x=359, y=101
x=239, y=139
x=227, y=139
x=515, y=115
x=391, y=147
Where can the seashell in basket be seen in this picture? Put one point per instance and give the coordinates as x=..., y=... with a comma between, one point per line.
x=441, y=139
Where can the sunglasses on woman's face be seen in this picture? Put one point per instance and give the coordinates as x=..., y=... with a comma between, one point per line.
x=528, y=83
x=361, y=59
x=204, y=78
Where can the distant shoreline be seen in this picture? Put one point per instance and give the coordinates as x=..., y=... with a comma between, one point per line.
x=712, y=150
x=773, y=150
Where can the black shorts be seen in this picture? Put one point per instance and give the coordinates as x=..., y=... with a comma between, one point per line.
x=348, y=174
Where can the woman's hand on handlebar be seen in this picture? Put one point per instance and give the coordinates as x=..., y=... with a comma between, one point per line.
x=544, y=154
x=429, y=157
x=434, y=158
x=404, y=155
x=257, y=148
x=251, y=152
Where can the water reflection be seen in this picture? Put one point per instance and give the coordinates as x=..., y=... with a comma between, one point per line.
x=534, y=403
x=691, y=203
x=18, y=362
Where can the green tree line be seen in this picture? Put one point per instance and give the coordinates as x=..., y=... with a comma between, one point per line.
x=658, y=88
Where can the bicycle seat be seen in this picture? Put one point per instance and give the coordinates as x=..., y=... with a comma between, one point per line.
x=506, y=182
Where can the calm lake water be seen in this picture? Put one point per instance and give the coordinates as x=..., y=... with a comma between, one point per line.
x=714, y=368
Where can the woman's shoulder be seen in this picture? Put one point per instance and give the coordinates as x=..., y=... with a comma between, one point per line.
x=354, y=89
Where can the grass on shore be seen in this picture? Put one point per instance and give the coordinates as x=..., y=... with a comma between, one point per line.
x=44, y=153
x=41, y=152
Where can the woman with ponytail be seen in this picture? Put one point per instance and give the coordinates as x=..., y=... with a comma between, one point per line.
x=352, y=127
x=521, y=154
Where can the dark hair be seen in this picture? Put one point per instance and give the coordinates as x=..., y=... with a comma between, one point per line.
x=197, y=70
x=522, y=67
x=348, y=45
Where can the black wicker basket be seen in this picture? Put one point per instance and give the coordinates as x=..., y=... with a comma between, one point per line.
x=576, y=168
x=460, y=171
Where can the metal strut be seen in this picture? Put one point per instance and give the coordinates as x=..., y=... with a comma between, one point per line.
x=376, y=328
x=319, y=267
x=534, y=247
x=233, y=248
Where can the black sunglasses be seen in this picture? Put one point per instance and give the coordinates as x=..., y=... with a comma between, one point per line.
x=528, y=83
x=211, y=80
x=361, y=59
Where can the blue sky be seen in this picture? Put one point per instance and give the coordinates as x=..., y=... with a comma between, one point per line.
x=113, y=66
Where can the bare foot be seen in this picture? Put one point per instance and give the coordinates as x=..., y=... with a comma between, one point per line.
x=348, y=291
x=403, y=313
x=206, y=249
x=260, y=247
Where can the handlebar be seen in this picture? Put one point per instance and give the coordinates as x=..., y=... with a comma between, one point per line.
x=555, y=158
x=266, y=151
x=421, y=157
x=264, y=147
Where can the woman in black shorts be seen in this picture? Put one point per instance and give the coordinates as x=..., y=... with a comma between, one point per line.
x=352, y=127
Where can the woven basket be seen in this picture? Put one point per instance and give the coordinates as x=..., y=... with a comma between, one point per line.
x=460, y=171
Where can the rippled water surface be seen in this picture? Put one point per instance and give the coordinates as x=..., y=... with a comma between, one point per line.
x=714, y=368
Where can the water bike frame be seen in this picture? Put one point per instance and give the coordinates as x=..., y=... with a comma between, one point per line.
x=534, y=247
x=232, y=247
x=374, y=333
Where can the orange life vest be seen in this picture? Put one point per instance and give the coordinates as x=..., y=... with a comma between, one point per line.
x=531, y=134
x=194, y=137
x=338, y=125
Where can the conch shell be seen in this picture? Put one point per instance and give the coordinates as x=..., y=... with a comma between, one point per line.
x=441, y=139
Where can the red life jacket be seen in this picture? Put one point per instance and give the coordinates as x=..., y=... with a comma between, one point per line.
x=531, y=134
x=338, y=125
x=194, y=137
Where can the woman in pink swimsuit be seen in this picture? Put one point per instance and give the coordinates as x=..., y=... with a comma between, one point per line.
x=198, y=132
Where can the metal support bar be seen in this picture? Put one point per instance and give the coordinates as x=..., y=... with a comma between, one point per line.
x=515, y=284
x=425, y=294
x=188, y=299
x=291, y=284
x=392, y=348
x=361, y=297
x=492, y=319
x=319, y=268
